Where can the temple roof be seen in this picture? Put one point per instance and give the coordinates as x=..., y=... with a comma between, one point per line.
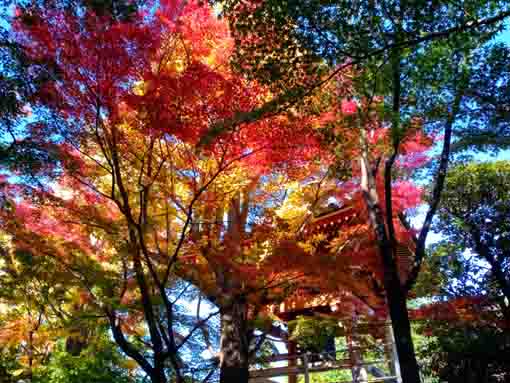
x=357, y=281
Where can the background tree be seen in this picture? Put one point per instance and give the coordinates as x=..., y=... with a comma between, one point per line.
x=487, y=112
x=474, y=216
x=462, y=333
x=468, y=307
x=99, y=362
x=21, y=79
x=465, y=353
x=132, y=188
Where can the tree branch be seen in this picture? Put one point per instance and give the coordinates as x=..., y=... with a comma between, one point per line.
x=438, y=188
x=294, y=96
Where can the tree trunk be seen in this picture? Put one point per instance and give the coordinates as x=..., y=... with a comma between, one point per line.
x=78, y=341
x=30, y=355
x=397, y=304
x=158, y=375
x=234, y=347
x=396, y=299
x=395, y=292
x=402, y=330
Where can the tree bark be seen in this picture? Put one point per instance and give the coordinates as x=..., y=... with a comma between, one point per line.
x=234, y=347
x=402, y=329
x=396, y=299
x=158, y=375
x=30, y=355
x=395, y=293
x=78, y=340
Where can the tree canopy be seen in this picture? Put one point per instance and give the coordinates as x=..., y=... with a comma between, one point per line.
x=171, y=179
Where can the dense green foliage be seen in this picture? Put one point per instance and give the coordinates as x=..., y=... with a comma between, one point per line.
x=468, y=354
x=470, y=260
x=487, y=107
x=338, y=31
x=475, y=216
x=100, y=362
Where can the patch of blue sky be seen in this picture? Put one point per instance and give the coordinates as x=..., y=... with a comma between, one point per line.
x=504, y=36
x=6, y=12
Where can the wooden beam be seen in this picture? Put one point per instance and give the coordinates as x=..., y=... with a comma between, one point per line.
x=273, y=372
x=292, y=362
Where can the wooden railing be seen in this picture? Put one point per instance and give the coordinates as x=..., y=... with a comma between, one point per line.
x=308, y=363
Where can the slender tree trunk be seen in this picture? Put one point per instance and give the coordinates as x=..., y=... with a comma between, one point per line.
x=30, y=355
x=396, y=299
x=395, y=293
x=402, y=329
x=234, y=348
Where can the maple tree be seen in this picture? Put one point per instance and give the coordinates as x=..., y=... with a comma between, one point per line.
x=293, y=45
x=34, y=293
x=134, y=206
x=44, y=317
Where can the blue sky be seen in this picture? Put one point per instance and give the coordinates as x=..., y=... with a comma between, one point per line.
x=505, y=35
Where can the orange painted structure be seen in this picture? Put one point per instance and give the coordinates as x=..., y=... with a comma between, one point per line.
x=349, y=276
x=348, y=287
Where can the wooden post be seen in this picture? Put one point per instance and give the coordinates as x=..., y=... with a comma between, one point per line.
x=391, y=352
x=359, y=372
x=292, y=351
x=305, y=368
